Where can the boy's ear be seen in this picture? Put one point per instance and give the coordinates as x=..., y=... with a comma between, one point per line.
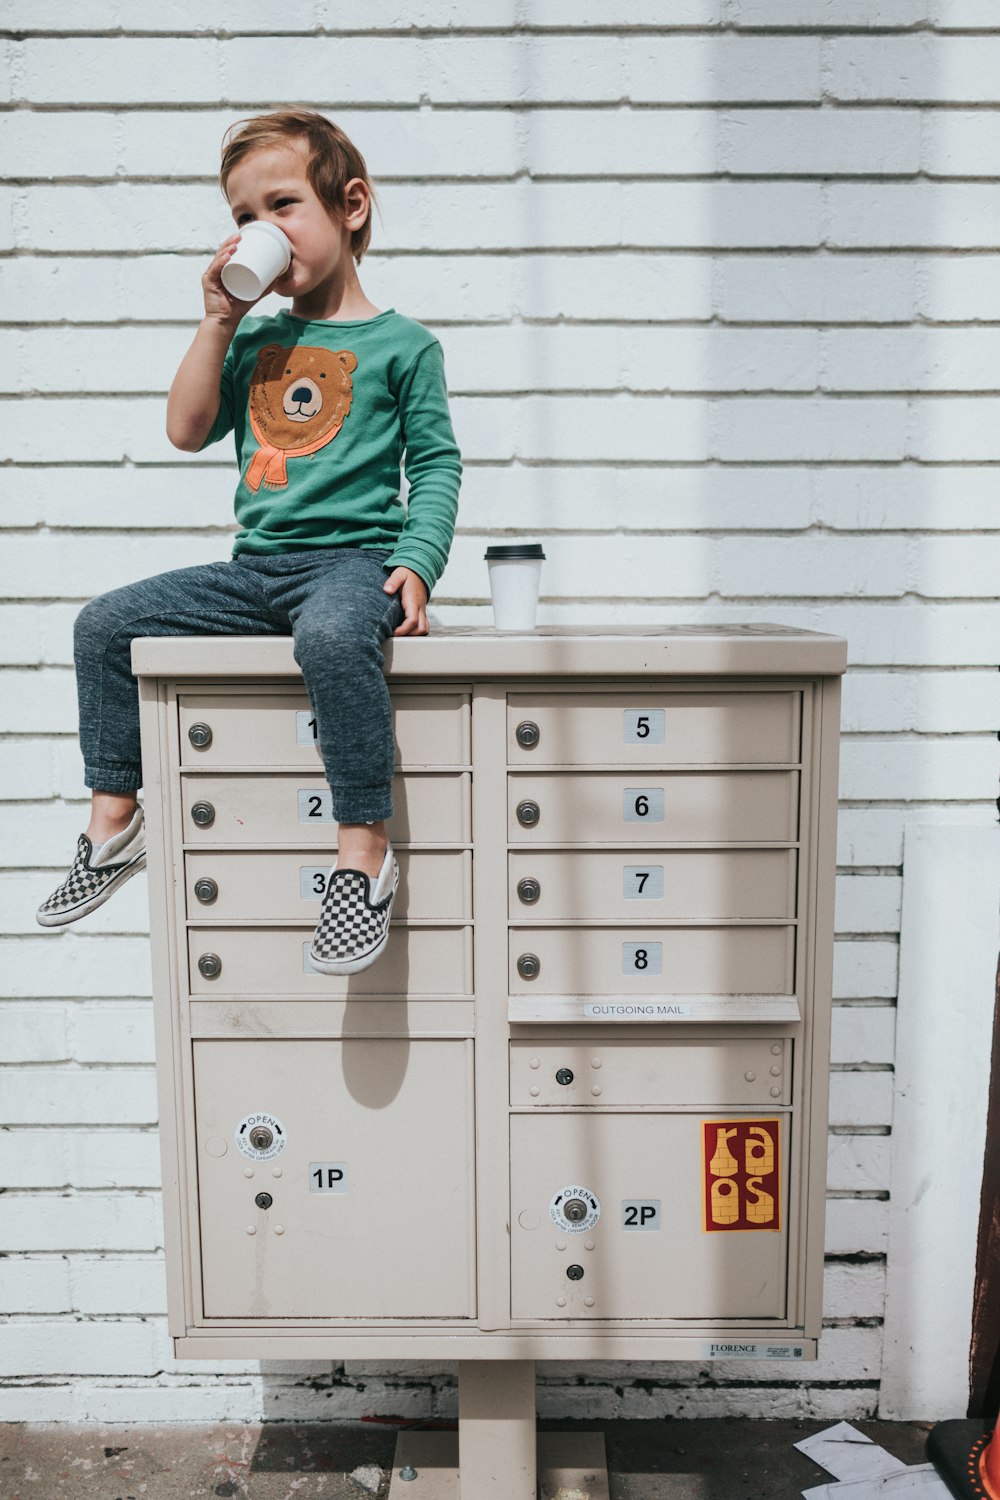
x=357, y=201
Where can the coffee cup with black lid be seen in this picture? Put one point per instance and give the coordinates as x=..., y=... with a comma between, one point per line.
x=515, y=574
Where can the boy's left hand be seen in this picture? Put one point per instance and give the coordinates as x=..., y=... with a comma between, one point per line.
x=413, y=596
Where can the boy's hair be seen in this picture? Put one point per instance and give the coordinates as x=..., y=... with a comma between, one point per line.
x=332, y=161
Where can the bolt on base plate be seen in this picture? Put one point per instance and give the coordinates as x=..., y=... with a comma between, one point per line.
x=571, y=1466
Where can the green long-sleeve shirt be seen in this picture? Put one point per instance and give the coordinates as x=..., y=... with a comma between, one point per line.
x=323, y=413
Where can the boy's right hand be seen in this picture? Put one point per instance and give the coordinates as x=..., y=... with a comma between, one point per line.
x=221, y=306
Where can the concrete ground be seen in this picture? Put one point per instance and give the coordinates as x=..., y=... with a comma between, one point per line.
x=656, y=1460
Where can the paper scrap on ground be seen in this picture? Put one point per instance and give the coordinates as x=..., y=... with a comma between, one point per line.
x=846, y=1453
x=921, y=1482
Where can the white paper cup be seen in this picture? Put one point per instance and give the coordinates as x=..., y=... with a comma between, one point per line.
x=262, y=254
x=515, y=574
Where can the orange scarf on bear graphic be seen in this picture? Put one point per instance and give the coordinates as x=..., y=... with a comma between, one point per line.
x=268, y=464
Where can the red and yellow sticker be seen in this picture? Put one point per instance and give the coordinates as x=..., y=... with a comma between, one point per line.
x=740, y=1161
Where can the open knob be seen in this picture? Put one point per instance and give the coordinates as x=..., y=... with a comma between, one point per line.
x=200, y=736
x=528, y=813
x=203, y=814
x=206, y=890
x=210, y=966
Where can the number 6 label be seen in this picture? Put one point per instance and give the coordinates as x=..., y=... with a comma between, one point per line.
x=643, y=804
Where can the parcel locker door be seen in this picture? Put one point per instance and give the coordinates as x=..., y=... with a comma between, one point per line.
x=649, y=1215
x=335, y=1178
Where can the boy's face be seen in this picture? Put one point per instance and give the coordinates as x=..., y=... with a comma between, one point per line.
x=271, y=184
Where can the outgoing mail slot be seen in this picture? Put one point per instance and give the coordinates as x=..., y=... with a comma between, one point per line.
x=278, y=729
x=433, y=884
x=656, y=728
x=664, y=807
x=296, y=809
x=731, y=1071
x=653, y=961
x=273, y=961
x=652, y=884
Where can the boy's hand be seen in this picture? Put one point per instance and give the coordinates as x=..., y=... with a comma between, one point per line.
x=220, y=305
x=413, y=597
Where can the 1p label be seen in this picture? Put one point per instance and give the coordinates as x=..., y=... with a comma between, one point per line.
x=328, y=1177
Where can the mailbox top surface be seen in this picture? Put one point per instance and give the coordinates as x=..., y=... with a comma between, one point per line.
x=751, y=650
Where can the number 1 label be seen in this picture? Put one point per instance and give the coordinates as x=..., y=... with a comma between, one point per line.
x=305, y=728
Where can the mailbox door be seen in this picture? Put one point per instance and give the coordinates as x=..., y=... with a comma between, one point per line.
x=371, y=1184
x=652, y=1250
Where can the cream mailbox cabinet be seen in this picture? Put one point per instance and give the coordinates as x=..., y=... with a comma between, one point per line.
x=578, y=1110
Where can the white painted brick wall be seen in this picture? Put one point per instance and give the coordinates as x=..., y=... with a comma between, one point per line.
x=720, y=300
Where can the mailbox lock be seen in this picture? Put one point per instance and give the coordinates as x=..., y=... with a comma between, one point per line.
x=203, y=814
x=575, y=1273
x=210, y=966
x=200, y=736
x=263, y=1200
x=261, y=1136
x=574, y=1209
x=529, y=965
x=564, y=1076
x=528, y=734
x=528, y=813
x=206, y=890
x=529, y=890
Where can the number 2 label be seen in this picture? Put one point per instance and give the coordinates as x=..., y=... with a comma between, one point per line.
x=315, y=807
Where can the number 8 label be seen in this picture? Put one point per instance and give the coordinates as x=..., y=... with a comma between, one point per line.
x=642, y=959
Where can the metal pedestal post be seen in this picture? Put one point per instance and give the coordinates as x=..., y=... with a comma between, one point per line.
x=497, y=1453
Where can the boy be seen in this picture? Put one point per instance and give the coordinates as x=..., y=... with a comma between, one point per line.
x=323, y=400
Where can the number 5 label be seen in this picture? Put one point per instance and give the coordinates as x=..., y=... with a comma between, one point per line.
x=644, y=726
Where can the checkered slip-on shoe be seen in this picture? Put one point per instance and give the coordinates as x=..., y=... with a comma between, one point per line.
x=353, y=926
x=96, y=874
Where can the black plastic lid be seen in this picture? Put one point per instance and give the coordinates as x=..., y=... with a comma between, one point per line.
x=516, y=550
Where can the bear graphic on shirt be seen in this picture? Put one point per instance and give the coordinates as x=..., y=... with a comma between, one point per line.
x=299, y=398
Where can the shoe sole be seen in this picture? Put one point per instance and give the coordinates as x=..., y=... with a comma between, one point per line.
x=91, y=903
x=349, y=965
